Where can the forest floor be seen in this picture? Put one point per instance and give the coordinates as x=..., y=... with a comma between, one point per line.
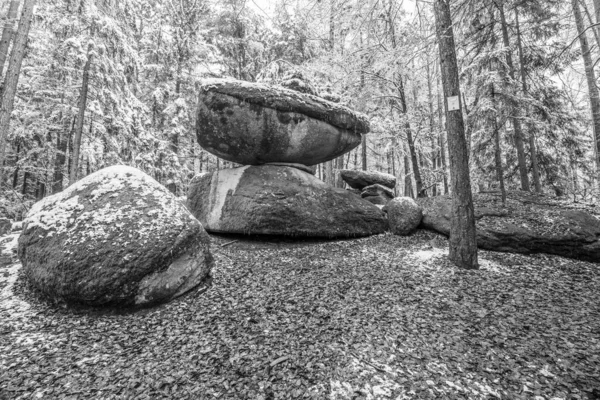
x=383, y=317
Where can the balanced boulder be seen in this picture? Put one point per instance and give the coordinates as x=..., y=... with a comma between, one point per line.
x=279, y=200
x=404, y=215
x=528, y=224
x=254, y=124
x=116, y=237
x=357, y=179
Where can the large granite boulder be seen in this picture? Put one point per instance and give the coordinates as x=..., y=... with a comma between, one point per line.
x=357, y=179
x=528, y=224
x=404, y=215
x=254, y=124
x=116, y=237
x=279, y=200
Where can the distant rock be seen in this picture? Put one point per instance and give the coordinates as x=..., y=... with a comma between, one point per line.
x=254, y=124
x=404, y=215
x=357, y=179
x=117, y=237
x=278, y=200
x=377, y=190
x=5, y=226
x=377, y=200
x=529, y=224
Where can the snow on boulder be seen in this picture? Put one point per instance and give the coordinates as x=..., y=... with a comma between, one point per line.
x=279, y=200
x=404, y=215
x=116, y=237
x=357, y=179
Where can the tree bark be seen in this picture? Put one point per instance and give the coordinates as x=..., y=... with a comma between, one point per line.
x=12, y=78
x=408, y=187
x=81, y=115
x=532, y=148
x=514, y=111
x=591, y=82
x=463, y=240
x=497, y=150
x=411, y=143
x=597, y=15
x=441, y=138
x=7, y=33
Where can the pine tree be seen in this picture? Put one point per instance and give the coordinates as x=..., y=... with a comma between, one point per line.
x=463, y=240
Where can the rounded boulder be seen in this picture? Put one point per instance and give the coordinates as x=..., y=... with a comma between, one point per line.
x=116, y=237
x=404, y=215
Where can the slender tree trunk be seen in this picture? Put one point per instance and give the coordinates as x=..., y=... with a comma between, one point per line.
x=411, y=143
x=434, y=150
x=597, y=15
x=514, y=111
x=59, y=163
x=12, y=78
x=591, y=81
x=532, y=150
x=7, y=33
x=16, y=173
x=497, y=150
x=591, y=19
x=81, y=115
x=463, y=239
x=408, y=187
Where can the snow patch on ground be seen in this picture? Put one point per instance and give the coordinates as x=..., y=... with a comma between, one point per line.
x=492, y=266
x=9, y=303
x=428, y=254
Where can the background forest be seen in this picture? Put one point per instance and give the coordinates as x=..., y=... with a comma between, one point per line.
x=104, y=82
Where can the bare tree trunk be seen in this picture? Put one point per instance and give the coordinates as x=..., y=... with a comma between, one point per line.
x=591, y=81
x=408, y=187
x=434, y=150
x=497, y=150
x=597, y=15
x=81, y=115
x=7, y=33
x=514, y=111
x=12, y=78
x=532, y=150
x=411, y=143
x=463, y=239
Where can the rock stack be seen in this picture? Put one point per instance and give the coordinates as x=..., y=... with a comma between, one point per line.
x=375, y=187
x=277, y=134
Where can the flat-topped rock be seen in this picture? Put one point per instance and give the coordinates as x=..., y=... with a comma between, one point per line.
x=358, y=179
x=377, y=190
x=278, y=200
x=283, y=99
x=255, y=124
x=116, y=237
x=528, y=224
